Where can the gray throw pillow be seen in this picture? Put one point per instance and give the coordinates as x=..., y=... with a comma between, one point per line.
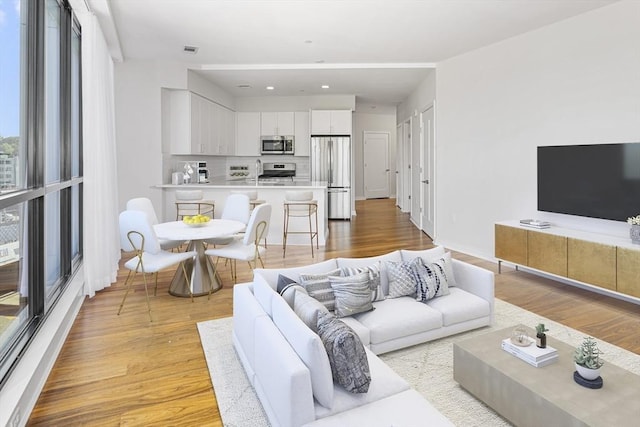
x=352, y=294
x=319, y=287
x=375, y=281
x=401, y=278
x=307, y=309
x=283, y=282
x=347, y=357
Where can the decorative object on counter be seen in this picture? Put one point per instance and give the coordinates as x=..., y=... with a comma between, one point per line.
x=541, y=337
x=177, y=178
x=188, y=172
x=535, y=223
x=634, y=231
x=520, y=337
x=588, y=363
x=238, y=171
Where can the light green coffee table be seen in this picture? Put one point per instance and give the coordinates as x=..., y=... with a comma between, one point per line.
x=547, y=396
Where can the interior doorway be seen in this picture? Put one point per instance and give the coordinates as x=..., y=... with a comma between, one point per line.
x=427, y=186
x=376, y=165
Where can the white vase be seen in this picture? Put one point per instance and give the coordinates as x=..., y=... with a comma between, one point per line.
x=587, y=373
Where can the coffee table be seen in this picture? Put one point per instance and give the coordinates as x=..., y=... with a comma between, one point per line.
x=547, y=396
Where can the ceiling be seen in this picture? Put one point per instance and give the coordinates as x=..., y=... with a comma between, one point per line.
x=378, y=50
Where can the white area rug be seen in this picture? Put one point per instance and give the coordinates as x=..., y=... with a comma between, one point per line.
x=427, y=367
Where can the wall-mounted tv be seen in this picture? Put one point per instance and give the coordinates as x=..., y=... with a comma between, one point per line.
x=598, y=181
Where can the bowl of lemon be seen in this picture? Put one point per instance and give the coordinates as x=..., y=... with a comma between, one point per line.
x=196, y=220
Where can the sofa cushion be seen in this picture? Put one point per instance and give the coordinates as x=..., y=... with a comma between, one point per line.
x=460, y=306
x=263, y=293
x=318, y=286
x=308, y=347
x=401, y=278
x=307, y=309
x=347, y=357
x=364, y=262
x=385, y=382
x=289, y=293
x=433, y=255
x=375, y=284
x=352, y=294
x=404, y=409
x=399, y=317
x=270, y=275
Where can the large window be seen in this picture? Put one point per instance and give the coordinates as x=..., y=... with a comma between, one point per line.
x=40, y=165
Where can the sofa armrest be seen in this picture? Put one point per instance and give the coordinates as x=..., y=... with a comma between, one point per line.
x=283, y=382
x=476, y=280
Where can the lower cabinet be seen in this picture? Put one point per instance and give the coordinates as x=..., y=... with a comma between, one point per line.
x=592, y=263
x=604, y=265
x=628, y=271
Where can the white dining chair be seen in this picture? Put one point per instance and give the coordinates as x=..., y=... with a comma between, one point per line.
x=137, y=235
x=144, y=204
x=247, y=249
x=236, y=208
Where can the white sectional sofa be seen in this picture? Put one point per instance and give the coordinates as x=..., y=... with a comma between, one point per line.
x=287, y=364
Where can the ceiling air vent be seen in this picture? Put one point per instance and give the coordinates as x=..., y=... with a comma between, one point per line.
x=244, y=86
x=191, y=49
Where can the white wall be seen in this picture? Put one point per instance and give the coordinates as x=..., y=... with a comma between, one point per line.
x=573, y=82
x=372, y=122
x=296, y=103
x=422, y=97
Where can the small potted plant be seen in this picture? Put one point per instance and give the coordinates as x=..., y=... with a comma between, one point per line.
x=587, y=359
x=541, y=337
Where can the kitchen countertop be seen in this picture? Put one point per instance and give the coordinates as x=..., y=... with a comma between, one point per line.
x=218, y=183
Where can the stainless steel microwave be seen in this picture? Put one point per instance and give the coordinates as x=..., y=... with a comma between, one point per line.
x=277, y=144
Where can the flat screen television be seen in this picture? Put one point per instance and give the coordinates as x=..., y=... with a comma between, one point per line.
x=597, y=181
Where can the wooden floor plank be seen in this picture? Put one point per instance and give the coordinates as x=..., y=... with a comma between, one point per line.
x=124, y=370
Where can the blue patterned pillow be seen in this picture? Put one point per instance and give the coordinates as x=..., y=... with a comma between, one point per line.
x=347, y=357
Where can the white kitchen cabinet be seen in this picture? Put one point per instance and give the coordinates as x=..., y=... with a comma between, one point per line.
x=247, y=134
x=301, y=133
x=278, y=123
x=331, y=122
x=195, y=125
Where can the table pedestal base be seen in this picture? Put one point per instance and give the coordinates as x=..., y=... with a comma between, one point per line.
x=202, y=273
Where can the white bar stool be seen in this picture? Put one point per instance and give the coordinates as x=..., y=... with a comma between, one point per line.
x=253, y=197
x=190, y=202
x=300, y=204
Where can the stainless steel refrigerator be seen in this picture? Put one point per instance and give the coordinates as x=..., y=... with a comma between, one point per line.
x=331, y=162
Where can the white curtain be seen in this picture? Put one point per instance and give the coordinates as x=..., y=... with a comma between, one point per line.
x=101, y=231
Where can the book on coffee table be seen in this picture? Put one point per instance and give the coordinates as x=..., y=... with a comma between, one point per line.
x=532, y=354
x=535, y=223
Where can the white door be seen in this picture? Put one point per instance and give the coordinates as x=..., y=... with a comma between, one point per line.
x=406, y=165
x=376, y=165
x=416, y=172
x=399, y=167
x=428, y=163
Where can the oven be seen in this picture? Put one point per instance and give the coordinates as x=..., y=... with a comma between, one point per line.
x=277, y=144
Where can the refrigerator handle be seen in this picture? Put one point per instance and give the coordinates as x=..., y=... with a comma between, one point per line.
x=330, y=145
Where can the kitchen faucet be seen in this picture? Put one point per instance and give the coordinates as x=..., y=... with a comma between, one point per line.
x=258, y=167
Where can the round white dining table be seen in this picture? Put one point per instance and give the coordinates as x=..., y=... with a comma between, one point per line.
x=202, y=270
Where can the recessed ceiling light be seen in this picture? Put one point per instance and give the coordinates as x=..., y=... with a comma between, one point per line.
x=270, y=88
x=325, y=86
x=191, y=49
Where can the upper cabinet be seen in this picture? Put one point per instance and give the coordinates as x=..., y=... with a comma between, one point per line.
x=194, y=125
x=301, y=142
x=331, y=122
x=247, y=134
x=281, y=123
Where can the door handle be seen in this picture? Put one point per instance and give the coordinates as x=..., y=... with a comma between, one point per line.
x=426, y=181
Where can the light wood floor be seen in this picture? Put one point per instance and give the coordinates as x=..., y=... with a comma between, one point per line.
x=123, y=370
